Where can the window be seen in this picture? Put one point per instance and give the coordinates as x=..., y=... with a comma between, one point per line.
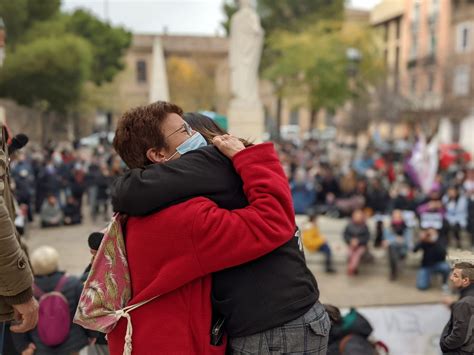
x=414, y=46
x=295, y=117
x=433, y=43
x=434, y=7
x=398, y=28
x=431, y=81
x=413, y=84
x=464, y=37
x=397, y=69
x=141, y=71
x=461, y=80
x=416, y=11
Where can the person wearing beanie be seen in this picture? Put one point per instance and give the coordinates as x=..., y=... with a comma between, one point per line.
x=45, y=265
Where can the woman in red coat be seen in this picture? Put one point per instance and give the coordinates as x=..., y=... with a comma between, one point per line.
x=173, y=252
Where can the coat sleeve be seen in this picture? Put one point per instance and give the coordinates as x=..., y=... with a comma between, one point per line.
x=365, y=236
x=201, y=172
x=21, y=341
x=225, y=238
x=454, y=339
x=15, y=274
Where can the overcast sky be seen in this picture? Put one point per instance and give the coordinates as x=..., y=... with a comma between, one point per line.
x=178, y=16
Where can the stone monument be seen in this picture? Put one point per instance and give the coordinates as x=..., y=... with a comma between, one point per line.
x=159, y=90
x=246, y=117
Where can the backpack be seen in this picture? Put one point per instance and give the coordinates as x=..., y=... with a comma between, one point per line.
x=107, y=290
x=355, y=344
x=54, y=322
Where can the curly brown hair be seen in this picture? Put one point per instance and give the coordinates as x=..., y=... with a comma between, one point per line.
x=139, y=129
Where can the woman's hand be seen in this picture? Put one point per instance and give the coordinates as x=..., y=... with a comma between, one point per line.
x=30, y=350
x=228, y=145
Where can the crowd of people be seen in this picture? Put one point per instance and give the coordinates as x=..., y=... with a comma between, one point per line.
x=54, y=182
x=378, y=184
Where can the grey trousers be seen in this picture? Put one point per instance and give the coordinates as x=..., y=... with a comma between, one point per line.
x=97, y=350
x=305, y=335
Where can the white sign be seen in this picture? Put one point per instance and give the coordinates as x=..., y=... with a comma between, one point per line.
x=408, y=330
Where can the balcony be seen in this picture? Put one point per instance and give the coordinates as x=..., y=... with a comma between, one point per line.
x=433, y=18
x=412, y=63
x=429, y=60
x=414, y=26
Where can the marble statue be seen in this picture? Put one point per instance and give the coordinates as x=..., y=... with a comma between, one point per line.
x=246, y=41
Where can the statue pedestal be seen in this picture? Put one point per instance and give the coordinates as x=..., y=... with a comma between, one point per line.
x=246, y=121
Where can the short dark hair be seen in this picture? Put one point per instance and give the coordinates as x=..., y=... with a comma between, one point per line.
x=467, y=270
x=139, y=129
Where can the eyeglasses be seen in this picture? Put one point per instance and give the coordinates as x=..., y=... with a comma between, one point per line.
x=186, y=127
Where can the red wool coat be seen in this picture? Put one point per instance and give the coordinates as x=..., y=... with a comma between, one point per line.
x=173, y=252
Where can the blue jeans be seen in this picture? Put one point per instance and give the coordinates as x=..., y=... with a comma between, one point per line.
x=423, y=278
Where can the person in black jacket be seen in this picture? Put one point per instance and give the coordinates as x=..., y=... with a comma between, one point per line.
x=72, y=212
x=457, y=337
x=349, y=334
x=433, y=261
x=254, y=299
x=377, y=200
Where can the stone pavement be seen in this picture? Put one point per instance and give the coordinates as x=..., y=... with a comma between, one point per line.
x=370, y=287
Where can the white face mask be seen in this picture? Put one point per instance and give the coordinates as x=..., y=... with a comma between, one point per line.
x=194, y=142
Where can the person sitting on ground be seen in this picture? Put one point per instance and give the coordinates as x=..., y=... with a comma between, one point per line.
x=434, y=259
x=302, y=191
x=357, y=236
x=377, y=198
x=51, y=213
x=72, y=212
x=349, y=334
x=314, y=241
x=457, y=336
x=48, y=278
x=396, y=241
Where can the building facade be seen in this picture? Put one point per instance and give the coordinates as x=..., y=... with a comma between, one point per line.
x=425, y=51
x=459, y=90
x=389, y=20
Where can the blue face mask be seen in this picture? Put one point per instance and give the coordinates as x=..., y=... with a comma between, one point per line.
x=192, y=143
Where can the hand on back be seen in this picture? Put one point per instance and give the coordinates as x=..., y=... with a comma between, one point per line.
x=228, y=145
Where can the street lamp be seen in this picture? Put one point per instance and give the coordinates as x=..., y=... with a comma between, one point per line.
x=354, y=57
x=2, y=41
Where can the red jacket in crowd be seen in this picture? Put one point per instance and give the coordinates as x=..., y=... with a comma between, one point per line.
x=173, y=252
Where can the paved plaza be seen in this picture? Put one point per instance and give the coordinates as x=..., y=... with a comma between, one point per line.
x=371, y=287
